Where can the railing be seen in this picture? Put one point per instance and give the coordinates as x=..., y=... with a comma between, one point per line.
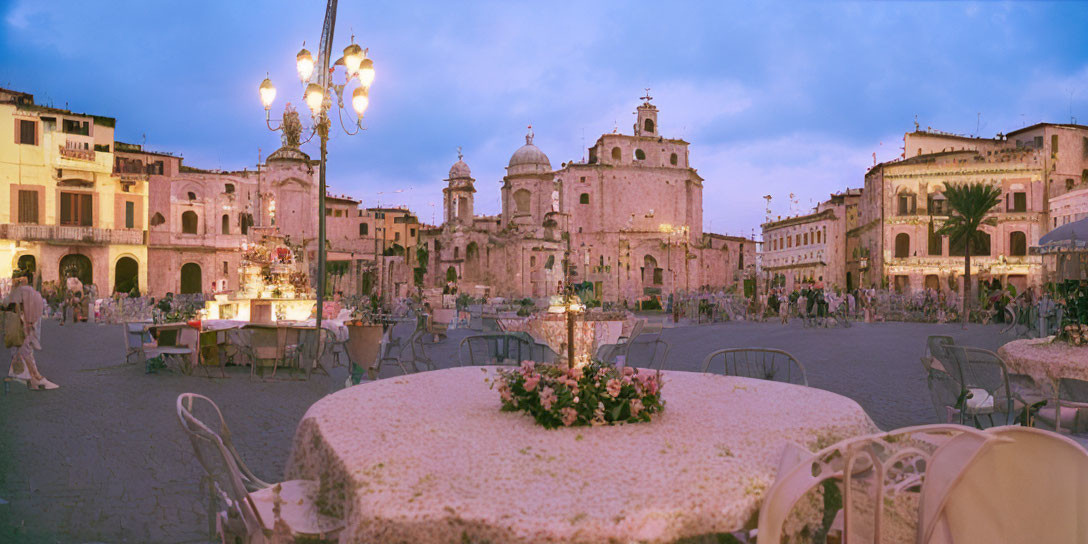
x=69, y=233
x=80, y=154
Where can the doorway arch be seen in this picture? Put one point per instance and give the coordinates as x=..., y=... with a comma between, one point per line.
x=191, y=279
x=126, y=275
x=27, y=262
x=78, y=266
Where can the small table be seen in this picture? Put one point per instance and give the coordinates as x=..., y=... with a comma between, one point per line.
x=429, y=457
x=1045, y=361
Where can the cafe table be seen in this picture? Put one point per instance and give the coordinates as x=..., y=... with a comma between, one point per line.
x=429, y=457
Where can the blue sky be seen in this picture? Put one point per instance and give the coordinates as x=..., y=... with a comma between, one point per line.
x=774, y=97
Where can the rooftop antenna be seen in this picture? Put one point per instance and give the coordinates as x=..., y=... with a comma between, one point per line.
x=793, y=204
x=1072, y=120
x=767, y=218
x=583, y=144
x=978, y=120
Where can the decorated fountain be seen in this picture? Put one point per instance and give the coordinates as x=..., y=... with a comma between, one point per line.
x=273, y=285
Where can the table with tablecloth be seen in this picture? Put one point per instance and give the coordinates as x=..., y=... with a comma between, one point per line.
x=430, y=457
x=1046, y=361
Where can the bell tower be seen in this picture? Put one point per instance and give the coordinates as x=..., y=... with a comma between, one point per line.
x=647, y=117
x=458, y=195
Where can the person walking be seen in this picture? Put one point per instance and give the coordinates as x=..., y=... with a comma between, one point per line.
x=28, y=306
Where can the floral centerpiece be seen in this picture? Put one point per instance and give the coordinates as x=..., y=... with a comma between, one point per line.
x=594, y=394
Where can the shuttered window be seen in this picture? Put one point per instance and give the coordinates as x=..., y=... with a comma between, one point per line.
x=28, y=207
x=130, y=215
x=76, y=209
x=28, y=132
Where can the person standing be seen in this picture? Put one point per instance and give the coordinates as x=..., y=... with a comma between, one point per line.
x=29, y=306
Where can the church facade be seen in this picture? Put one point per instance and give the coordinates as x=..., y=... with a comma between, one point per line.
x=631, y=216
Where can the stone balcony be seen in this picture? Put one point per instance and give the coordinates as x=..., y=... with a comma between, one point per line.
x=65, y=234
x=208, y=241
x=78, y=154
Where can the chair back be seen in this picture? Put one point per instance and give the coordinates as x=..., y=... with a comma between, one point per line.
x=760, y=363
x=647, y=352
x=1072, y=396
x=984, y=369
x=1028, y=486
x=217, y=461
x=311, y=342
x=494, y=349
x=938, y=348
x=864, y=476
x=136, y=335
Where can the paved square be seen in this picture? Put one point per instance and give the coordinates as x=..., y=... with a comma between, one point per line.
x=103, y=459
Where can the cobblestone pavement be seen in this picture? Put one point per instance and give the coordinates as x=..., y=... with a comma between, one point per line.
x=103, y=459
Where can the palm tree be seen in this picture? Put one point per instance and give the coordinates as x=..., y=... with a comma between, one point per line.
x=969, y=204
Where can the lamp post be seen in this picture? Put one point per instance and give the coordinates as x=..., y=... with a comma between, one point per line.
x=319, y=89
x=670, y=230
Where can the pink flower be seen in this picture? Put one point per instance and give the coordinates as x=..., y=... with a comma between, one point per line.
x=527, y=367
x=636, y=407
x=576, y=373
x=531, y=382
x=547, y=397
x=628, y=371
x=614, y=387
x=569, y=415
x=504, y=392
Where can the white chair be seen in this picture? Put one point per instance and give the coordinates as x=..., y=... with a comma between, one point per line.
x=1029, y=485
x=879, y=477
x=270, y=514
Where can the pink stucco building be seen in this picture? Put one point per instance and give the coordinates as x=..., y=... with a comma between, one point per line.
x=632, y=212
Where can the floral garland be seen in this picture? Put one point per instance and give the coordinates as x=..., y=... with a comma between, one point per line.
x=595, y=394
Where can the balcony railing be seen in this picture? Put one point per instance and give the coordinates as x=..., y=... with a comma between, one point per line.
x=69, y=234
x=79, y=154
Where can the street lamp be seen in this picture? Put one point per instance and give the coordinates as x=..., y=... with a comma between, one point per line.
x=682, y=232
x=318, y=95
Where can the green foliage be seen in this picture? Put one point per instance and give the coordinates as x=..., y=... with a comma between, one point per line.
x=422, y=257
x=652, y=304
x=969, y=204
x=451, y=274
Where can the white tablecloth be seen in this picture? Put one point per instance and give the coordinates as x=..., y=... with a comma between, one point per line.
x=430, y=458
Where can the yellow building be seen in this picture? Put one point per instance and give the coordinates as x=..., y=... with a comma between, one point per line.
x=66, y=210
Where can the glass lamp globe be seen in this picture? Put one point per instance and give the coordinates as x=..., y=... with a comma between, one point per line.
x=353, y=57
x=314, y=96
x=366, y=73
x=360, y=99
x=268, y=93
x=305, y=62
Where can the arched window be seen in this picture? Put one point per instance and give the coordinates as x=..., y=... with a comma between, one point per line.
x=805, y=238
x=902, y=245
x=584, y=198
x=640, y=155
x=228, y=188
x=981, y=247
x=364, y=229
x=651, y=274
x=456, y=253
x=191, y=279
x=157, y=219
x=673, y=159
x=1018, y=244
x=616, y=153
x=192, y=195
x=522, y=198
x=188, y=222
x=226, y=224
x=648, y=126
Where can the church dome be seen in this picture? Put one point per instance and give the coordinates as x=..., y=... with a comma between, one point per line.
x=460, y=170
x=529, y=158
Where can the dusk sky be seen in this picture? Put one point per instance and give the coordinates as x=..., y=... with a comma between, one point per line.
x=774, y=97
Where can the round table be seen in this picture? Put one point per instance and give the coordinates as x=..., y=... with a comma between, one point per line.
x=430, y=458
x=1045, y=361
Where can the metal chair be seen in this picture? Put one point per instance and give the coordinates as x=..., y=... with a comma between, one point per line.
x=647, y=352
x=310, y=347
x=760, y=363
x=985, y=378
x=250, y=515
x=168, y=345
x=501, y=349
x=861, y=479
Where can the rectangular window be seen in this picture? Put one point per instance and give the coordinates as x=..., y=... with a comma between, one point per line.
x=412, y=232
x=28, y=132
x=1018, y=202
x=936, y=243
x=130, y=215
x=1053, y=145
x=76, y=209
x=28, y=207
x=396, y=237
x=906, y=205
x=76, y=127
x=659, y=274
